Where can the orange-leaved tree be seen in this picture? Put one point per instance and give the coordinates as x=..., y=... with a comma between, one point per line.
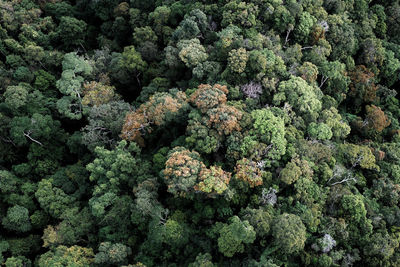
x=213, y=181
x=248, y=172
x=362, y=86
x=97, y=93
x=376, y=119
x=207, y=96
x=158, y=110
x=185, y=174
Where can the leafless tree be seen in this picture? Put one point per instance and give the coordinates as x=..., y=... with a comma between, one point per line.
x=268, y=196
x=343, y=174
x=252, y=89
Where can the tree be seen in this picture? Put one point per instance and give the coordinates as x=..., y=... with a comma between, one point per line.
x=354, y=211
x=260, y=219
x=308, y=72
x=237, y=60
x=70, y=84
x=97, y=93
x=23, y=74
x=291, y=173
x=71, y=31
x=334, y=81
x=60, y=9
x=341, y=36
x=112, y=254
x=182, y=170
x=304, y=98
x=144, y=34
x=252, y=89
x=381, y=245
x=312, y=195
x=332, y=119
x=320, y=131
x=390, y=68
x=17, y=261
x=353, y=205
x=228, y=37
x=242, y=13
x=34, y=53
x=218, y=120
x=146, y=198
x=202, y=260
x=37, y=129
x=362, y=86
x=193, y=26
x=200, y=136
x=17, y=219
x=270, y=130
x=376, y=118
x=207, y=97
x=358, y=155
x=15, y=97
x=265, y=62
x=44, y=80
x=248, y=172
x=52, y=199
x=113, y=170
x=372, y=54
x=304, y=27
x=9, y=182
x=283, y=20
x=324, y=244
x=67, y=256
x=289, y=233
x=159, y=110
x=224, y=119
x=213, y=181
x=175, y=233
x=208, y=70
x=234, y=235
x=191, y=52
x=112, y=214
x=105, y=124
x=132, y=61
x=75, y=225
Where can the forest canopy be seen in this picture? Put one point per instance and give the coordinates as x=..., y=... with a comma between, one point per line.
x=255, y=133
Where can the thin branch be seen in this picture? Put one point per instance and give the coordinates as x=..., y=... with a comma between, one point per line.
x=41, y=64
x=287, y=37
x=8, y=140
x=348, y=175
x=36, y=141
x=345, y=180
x=323, y=80
x=138, y=80
x=83, y=47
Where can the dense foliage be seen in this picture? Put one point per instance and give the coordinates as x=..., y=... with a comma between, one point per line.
x=199, y=133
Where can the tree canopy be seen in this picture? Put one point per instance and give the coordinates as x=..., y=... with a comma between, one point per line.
x=199, y=133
